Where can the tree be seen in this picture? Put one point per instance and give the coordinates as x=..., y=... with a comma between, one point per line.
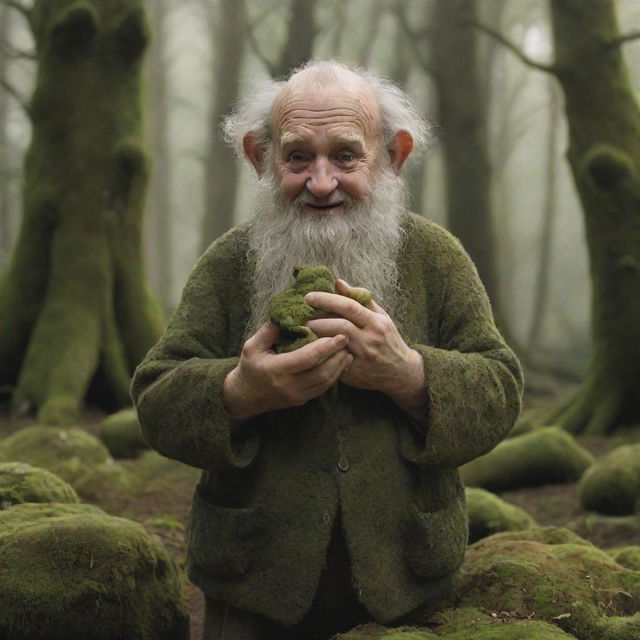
x=75, y=313
x=227, y=30
x=604, y=157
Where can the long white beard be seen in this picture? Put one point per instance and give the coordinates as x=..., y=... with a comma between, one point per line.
x=360, y=245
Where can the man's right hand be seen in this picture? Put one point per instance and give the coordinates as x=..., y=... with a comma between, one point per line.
x=266, y=381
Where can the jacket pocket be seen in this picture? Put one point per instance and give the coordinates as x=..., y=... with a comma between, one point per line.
x=220, y=539
x=436, y=540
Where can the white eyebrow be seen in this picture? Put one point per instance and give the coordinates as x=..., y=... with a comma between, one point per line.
x=350, y=137
x=288, y=137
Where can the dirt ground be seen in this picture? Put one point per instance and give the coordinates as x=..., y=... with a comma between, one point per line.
x=157, y=503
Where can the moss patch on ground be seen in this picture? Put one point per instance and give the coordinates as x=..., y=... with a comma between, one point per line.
x=612, y=485
x=544, y=456
x=73, y=572
x=553, y=575
x=121, y=434
x=21, y=482
x=628, y=557
x=489, y=514
x=607, y=531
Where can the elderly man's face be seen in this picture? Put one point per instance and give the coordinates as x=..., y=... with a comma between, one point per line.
x=326, y=147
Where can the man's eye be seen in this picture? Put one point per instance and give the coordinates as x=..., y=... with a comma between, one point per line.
x=297, y=157
x=346, y=157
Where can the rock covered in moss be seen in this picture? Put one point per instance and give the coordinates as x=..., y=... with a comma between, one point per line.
x=84, y=574
x=612, y=485
x=551, y=574
x=21, y=482
x=628, y=556
x=121, y=434
x=489, y=514
x=607, y=531
x=544, y=456
x=73, y=454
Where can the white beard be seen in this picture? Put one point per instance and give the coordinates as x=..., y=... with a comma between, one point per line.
x=360, y=244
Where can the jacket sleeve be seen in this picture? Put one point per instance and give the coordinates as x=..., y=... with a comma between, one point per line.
x=178, y=388
x=474, y=381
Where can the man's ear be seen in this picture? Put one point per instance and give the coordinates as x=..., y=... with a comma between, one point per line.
x=253, y=151
x=399, y=149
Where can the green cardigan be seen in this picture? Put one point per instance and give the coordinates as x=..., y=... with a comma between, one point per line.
x=263, y=510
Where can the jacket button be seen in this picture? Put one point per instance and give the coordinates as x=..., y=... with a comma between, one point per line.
x=343, y=463
x=326, y=518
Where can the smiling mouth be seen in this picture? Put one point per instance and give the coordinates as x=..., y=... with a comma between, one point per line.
x=324, y=207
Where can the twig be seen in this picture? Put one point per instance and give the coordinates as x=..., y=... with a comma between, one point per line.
x=496, y=35
x=251, y=36
x=12, y=52
x=13, y=92
x=413, y=37
x=627, y=37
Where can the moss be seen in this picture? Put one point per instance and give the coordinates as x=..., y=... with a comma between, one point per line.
x=548, y=573
x=76, y=456
x=489, y=514
x=607, y=531
x=628, y=557
x=121, y=434
x=619, y=628
x=612, y=484
x=20, y=482
x=84, y=575
x=544, y=456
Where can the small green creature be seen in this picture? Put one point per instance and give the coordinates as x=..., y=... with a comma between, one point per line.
x=291, y=312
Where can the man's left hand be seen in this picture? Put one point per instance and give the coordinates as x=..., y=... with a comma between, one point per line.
x=382, y=360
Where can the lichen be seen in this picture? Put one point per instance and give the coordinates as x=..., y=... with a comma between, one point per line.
x=72, y=572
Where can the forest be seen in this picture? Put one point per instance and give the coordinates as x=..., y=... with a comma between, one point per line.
x=114, y=179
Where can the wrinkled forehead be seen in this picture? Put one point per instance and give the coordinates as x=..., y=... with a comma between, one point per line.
x=346, y=103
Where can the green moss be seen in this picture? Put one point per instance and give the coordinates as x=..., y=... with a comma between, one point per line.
x=544, y=456
x=121, y=434
x=20, y=482
x=84, y=575
x=628, y=557
x=607, y=531
x=612, y=484
x=548, y=573
x=76, y=456
x=489, y=514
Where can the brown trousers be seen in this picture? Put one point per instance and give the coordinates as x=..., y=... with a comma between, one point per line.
x=335, y=608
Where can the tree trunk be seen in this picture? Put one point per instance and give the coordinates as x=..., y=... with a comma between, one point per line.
x=604, y=154
x=74, y=308
x=5, y=225
x=461, y=113
x=158, y=226
x=300, y=37
x=221, y=167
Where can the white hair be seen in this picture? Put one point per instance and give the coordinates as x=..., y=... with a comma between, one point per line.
x=397, y=112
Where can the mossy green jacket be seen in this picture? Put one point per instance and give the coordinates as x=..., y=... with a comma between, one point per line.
x=263, y=510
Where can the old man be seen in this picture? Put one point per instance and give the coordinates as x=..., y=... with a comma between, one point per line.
x=329, y=494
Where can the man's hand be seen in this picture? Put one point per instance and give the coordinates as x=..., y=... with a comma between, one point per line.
x=266, y=381
x=382, y=360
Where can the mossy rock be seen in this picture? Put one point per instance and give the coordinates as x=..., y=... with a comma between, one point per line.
x=73, y=454
x=553, y=575
x=489, y=514
x=121, y=434
x=628, y=557
x=612, y=485
x=21, y=482
x=607, y=531
x=85, y=574
x=546, y=455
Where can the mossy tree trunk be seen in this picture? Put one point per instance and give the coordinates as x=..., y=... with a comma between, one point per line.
x=75, y=313
x=604, y=154
x=462, y=114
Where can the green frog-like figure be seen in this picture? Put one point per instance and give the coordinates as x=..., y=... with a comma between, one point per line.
x=291, y=312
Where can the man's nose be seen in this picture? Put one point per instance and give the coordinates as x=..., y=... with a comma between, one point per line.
x=322, y=179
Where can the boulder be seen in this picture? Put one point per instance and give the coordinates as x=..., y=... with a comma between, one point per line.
x=20, y=482
x=73, y=454
x=489, y=514
x=546, y=455
x=121, y=434
x=612, y=485
x=72, y=572
x=553, y=575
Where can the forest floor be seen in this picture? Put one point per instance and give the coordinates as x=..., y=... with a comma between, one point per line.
x=162, y=507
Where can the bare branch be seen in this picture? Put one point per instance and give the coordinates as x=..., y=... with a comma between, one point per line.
x=251, y=36
x=19, y=7
x=12, y=52
x=15, y=94
x=627, y=37
x=505, y=42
